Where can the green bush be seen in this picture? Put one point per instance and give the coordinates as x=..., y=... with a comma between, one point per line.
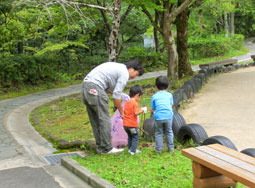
x=26, y=69
x=152, y=60
x=213, y=45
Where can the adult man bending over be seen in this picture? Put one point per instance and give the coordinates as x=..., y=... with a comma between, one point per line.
x=109, y=77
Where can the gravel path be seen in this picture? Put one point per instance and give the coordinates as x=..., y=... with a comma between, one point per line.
x=225, y=106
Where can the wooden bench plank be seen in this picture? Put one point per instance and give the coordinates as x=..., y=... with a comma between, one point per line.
x=238, y=174
x=233, y=153
x=228, y=159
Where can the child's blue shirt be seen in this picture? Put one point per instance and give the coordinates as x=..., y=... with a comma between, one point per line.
x=162, y=103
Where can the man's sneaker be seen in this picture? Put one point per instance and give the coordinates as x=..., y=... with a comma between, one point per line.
x=159, y=152
x=170, y=149
x=132, y=153
x=115, y=150
x=138, y=151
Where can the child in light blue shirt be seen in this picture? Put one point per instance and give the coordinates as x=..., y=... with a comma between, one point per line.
x=161, y=105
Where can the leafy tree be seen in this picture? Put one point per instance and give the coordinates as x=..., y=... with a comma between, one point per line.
x=244, y=18
x=168, y=10
x=112, y=7
x=184, y=66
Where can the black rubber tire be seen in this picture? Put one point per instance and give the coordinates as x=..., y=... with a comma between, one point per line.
x=201, y=76
x=178, y=94
x=218, y=69
x=229, y=68
x=178, y=122
x=242, y=65
x=149, y=129
x=192, y=84
x=199, y=83
x=222, y=140
x=192, y=131
x=205, y=71
x=211, y=70
x=188, y=90
x=249, y=151
x=185, y=96
x=237, y=66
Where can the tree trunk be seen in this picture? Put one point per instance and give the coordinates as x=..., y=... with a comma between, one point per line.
x=184, y=67
x=114, y=35
x=172, y=56
x=155, y=33
x=232, y=23
x=226, y=25
x=169, y=44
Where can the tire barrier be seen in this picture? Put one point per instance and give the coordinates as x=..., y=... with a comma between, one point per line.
x=178, y=97
x=237, y=66
x=192, y=84
x=211, y=71
x=218, y=69
x=187, y=89
x=205, y=71
x=149, y=129
x=198, y=83
x=224, y=69
x=242, y=65
x=222, y=140
x=192, y=131
x=202, y=77
x=178, y=122
x=249, y=151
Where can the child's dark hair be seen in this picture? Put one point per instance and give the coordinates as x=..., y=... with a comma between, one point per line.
x=135, y=90
x=162, y=82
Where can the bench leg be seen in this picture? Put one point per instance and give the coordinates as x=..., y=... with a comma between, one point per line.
x=207, y=178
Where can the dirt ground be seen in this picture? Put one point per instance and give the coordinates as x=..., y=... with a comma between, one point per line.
x=226, y=106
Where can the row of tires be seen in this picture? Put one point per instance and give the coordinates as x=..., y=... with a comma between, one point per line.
x=184, y=132
x=192, y=86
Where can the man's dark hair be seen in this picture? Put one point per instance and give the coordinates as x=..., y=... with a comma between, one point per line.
x=135, y=90
x=162, y=82
x=136, y=65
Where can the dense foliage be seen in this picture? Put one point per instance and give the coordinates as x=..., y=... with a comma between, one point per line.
x=213, y=45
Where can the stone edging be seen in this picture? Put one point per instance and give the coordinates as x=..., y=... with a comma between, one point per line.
x=86, y=175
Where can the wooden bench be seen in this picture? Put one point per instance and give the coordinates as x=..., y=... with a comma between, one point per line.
x=218, y=166
x=219, y=63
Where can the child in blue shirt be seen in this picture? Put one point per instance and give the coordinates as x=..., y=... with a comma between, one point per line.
x=161, y=106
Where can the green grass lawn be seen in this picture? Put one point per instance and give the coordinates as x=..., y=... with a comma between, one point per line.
x=147, y=169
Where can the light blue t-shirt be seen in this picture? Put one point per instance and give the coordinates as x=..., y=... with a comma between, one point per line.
x=162, y=103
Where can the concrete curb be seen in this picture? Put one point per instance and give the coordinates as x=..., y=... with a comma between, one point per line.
x=86, y=175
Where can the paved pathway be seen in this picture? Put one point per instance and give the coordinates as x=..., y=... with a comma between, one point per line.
x=21, y=147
